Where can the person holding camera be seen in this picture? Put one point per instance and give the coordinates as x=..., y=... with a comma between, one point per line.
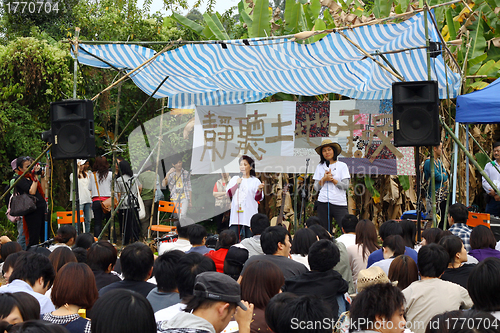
x=33, y=223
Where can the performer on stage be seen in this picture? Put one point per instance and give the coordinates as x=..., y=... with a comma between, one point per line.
x=331, y=181
x=179, y=184
x=245, y=192
x=441, y=178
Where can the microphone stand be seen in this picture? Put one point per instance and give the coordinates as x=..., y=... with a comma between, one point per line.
x=304, y=196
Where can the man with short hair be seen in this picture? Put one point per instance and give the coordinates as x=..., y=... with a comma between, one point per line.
x=387, y=229
x=166, y=293
x=258, y=223
x=322, y=281
x=33, y=274
x=457, y=219
x=186, y=270
x=197, y=237
x=430, y=296
x=182, y=243
x=137, y=265
x=215, y=301
x=348, y=237
x=276, y=246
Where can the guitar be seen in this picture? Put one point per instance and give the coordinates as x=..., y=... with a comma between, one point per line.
x=279, y=219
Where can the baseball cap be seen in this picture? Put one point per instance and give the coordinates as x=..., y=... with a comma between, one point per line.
x=218, y=287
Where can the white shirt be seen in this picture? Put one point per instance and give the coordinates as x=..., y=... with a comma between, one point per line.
x=83, y=189
x=170, y=312
x=243, y=203
x=181, y=245
x=490, y=170
x=19, y=285
x=329, y=192
x=347, y=239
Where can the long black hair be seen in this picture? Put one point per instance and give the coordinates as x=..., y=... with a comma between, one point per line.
x=251, y=162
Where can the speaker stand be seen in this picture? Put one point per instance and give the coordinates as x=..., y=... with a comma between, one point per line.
x=417, y=173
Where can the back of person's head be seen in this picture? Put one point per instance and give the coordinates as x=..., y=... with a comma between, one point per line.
x=271, y=237
x=188, y=267
x=303, y=309
x=31, y=267
x=458, y=321
x=136, y=261
x=101, y=255
x=302, y=241
x=80, y=254
x=432, y=260
x=122, y=311
x=409, y=232
x=234, y=261
x=9, y=248
x=453, y=245
x=261, y=280
x=11, y=261
x=349, y=223
x=379, y=300
x=395, y=243
x=84, y=240
x=323, y=256
x=481, y=237
x=484, y=285
x=74, y=284
x=227, y=238
x=61, y=256
x=29, y=307
x=38, y=326
x=164, y=269
x=432, y=235
x=404, y=270
x=321, y=232
x=125, y=169
x=274, y=310
x=312, y=221
x=259, y=223
x=197, y=234
x=65, y=233
x=389, y=228
x=40, y=250
x=182, y=231
x=459, y=213
x=366, y=236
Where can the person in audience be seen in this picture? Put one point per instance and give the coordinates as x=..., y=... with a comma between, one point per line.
x=322, y=281
x=431, y=235
x=234, y=261
x=61, y=256
x=28, y=306
x=409, y=233
x=348, y=237
x=215, y=300
x=392, y=247
x=403, y=271
x=137, y=265
x=274, y=311
x=8, y=264
x=258, y=223
x=74, y=289
x=197, y=237
x=312, y=221
x=122, y=311
x=276, y=246
x=84, y=240
x=387, y=229
x=261, y=281
x=431, y=295
x=164, y=269
x=227, y=238
x=34, y=275
x=8, y=248
x=188, y=267
x=457, y=220
x=80, y=254
x=484, y=286
x=366, y=243
x=37, y=326
x=456, y=271
x=66, y=235
x=379, y=308
x=482, y=243
x=182, y=243
x=101, y=258
x=458, y=321
x=302, y=241
x=10, y=309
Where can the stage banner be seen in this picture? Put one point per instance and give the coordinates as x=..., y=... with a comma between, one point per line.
x=281, y=136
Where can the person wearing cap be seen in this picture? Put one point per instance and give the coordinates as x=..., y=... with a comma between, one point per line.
x=331, y=181
x=216, y=297
x=84, y=196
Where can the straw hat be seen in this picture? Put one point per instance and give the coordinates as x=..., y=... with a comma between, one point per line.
x=327, y=142
x=371, y=276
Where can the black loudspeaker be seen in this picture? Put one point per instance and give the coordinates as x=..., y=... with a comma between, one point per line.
x=72, y=129
x=415, y=108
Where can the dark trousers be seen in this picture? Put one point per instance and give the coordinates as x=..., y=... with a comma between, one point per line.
x=99, y=218
x=35, y=223
x=337, y=212
x=221, y=224
x=131, y=229
x=493, y=208
x=242, y=230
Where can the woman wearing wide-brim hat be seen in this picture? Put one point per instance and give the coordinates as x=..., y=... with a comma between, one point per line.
x=331, y=181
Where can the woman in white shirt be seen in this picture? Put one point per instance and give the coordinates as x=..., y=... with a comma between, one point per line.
x=84, y=195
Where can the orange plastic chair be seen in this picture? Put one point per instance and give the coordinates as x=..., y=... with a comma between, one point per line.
x=67, y=217
x=167, y=207
x=476, y=219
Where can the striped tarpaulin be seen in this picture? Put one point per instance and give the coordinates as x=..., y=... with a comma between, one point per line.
x=232, y=72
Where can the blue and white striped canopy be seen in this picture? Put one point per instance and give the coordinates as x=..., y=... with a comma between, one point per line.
x=240, y=71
